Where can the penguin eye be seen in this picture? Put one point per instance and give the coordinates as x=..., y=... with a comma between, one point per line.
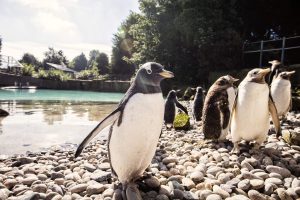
x=149, y=71
x=222, y=82
x=255, y=72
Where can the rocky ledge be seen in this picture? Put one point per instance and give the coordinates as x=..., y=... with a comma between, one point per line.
x=184, y=167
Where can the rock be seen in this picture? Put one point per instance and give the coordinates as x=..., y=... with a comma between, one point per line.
x=283, y=195
x=162, y=197
x=55, y=175
x=269, y=188
x=279, y=170
x=203, y=194
x=165, y=190
x=108, y=193
x=246, y=165
x=214, y=197
x=295, y=183
x=197, y=176
x=178, y=194
x=181, y=121
x=152, y=182
x=78, y=188
x=238, y=197
x=256, y=184
x=4, y=194
x=10, y=183
x=169, y=160
x=213, y=170
x=104, y=166
x=95, y=189
x=255, y=195
x=188, y=195
x=100, y=176
x=244, y=184
x=29, y=180
x=89, y=167
x=188, y=183
x=220, y=191
x=42, y=177
x=40, y=188
x=4, y=170
x=275, y=181
x=25, y=160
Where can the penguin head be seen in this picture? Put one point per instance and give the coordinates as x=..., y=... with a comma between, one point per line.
x=199, y=90
x=286, y=75
x=275, y=64
x=226, y=81
x=257, y=75
x=151, y=74
x=171, y=95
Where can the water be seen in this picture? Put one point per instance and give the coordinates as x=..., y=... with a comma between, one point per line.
x=43, y=118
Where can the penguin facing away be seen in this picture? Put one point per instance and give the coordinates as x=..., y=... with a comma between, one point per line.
x=250, y=115
x=170, y=108
x=135, y=127
x=281, y=93
x=198, y=104
x=274, y=70
x=217, y=108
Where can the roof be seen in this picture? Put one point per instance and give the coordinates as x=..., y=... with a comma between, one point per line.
x=61, y=67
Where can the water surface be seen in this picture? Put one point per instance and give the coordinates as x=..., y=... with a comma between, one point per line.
x=43, y=118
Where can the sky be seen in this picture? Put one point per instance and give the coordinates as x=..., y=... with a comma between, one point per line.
x=73, y=26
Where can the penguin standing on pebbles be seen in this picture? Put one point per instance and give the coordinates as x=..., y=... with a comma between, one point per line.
x=250, y=116
x=198, y=104
x=135, y=128
x=170, y=108
x=281, y=93
x=217, y=108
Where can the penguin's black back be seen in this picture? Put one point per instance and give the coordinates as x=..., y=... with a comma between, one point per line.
x=198, y=106
x=170, y=111
x=216, y=102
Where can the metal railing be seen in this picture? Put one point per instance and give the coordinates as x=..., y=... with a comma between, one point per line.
x=9, y=62
x=262, y=49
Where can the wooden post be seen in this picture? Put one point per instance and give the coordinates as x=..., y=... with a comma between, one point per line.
x=261, y=52
x=282, y=50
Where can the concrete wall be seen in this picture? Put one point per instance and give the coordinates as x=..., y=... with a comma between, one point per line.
x=95, y=85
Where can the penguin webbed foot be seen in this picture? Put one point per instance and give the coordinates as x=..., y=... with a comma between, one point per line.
x=236, y=148
x=131, y=192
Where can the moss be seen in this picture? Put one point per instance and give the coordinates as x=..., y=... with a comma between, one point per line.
x=182, y=122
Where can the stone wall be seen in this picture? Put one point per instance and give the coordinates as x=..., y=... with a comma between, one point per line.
x=95, y=85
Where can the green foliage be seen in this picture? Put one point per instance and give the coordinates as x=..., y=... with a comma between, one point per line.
x=102, y=63
x=28, y=70
x=30, y=59
x=79, y=63
x=56, y=57
x=53, y=75
x=92, y=57
x=88, y=74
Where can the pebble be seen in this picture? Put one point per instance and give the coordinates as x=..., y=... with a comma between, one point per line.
x=256, y=184
x=279, y=170
x=214, y=197
x=95, y=189
x=197, y=176
x=244, y=184
x=275, y=181
x=78, y=188
x=255, y=195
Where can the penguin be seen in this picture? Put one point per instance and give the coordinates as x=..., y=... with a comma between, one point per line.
x=170, y=108
x=250, y=115
x=135, y=127
x=3, y=113
x=198, y=104
x=281, y=93
x=217, y=108
x=274, y=70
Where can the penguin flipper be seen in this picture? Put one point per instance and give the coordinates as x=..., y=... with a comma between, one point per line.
x=223, y=106
x=104, y=123
x=179, y=105
x=274, y=115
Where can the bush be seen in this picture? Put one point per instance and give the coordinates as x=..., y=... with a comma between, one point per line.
x=53, y=75
x=28, y=70
x=88, y=74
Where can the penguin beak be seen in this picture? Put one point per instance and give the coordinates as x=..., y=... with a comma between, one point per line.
x=264, y=72
x=166, y=74
x=290, y=73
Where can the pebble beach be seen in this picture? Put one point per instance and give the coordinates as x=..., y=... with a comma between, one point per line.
x=185, y=166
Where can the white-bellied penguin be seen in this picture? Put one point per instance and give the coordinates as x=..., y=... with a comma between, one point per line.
x=250, y=115
x=281, y=93
x=170, y=108
x=135, y=127
x=274, y=70
x=198, y=104
x=217, y=108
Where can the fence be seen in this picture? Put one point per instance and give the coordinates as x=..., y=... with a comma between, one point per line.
x=262, y=44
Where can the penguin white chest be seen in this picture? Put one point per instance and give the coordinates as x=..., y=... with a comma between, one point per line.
x=281, y=94
x=250, y=120
x=132, y=145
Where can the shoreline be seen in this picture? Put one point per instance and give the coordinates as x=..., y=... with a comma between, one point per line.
x=184, y=167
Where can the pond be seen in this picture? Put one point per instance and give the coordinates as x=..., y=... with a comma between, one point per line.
x=42, y=118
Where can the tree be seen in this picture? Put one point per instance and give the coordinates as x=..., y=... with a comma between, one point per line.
x=102, y=63
x=30, y=59
x=79, y=63
x=56, y=57
x=92, y=57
